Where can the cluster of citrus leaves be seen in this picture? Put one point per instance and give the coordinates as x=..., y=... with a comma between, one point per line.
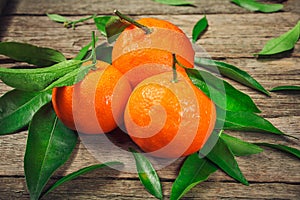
x=50, y=143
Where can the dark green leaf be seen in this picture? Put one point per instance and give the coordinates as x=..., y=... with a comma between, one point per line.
x=256, y=6
x=80, y=172
x=36, y=79
x=101, y=23
x=221, y=92
x=104, y=53
x=282, y=43
x=147, y=175
x=193, y=171
x=240, y=147
x=174, y=2
x=18, y=107
x=222, y=156
x=31, y=54
x=57, y=18
x=286, y=149
x=286, y=88
x=231, y=72
x=114, y=27
x=84, y=51
x=49, y=146
x=248, y=121
x=199, y=27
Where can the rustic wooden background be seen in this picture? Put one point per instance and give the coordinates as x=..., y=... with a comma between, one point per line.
x=234, y=34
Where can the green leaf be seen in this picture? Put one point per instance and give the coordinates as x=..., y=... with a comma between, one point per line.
x=101, y=23
x=71, y=78
x=248, y=121
x=114, y=27
x=49, y=146
x=240, y=147
x=256, y=6
x=31, y=54
x=57, y=18
x=199, y=27
x=223, y=157
x=174, y=2
x=104, y=53
x=286, y=88
x=293, y=151
x=18, y=107
x=147, y=175
x=231, y=72
x=193, y=171
x=282, y=43
x=84, y=51
x=36, y=79
x=78, y=173
x=221, y=92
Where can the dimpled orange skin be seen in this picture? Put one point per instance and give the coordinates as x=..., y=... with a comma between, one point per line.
x=161, y=113
x=96, y=104
x=132, y=51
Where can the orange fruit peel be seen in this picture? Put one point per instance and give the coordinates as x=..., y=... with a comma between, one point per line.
x=96, y=104
x=169, y=119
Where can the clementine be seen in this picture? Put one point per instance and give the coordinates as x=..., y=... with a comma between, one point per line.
x=96, y=104
x=169, y=119
x=139, y=55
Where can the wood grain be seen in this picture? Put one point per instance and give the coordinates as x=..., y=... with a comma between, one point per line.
x=234, y=34
x=132, y=7
x=228, y=36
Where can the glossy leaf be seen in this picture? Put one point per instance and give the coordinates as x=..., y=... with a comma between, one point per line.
x=248, y=121
x=78, y=173
x=231, y=72
x=223, y=157
x=293, y=151
x=49, y=146
x=222, y=93
x=282, y=43
x=71, y=78
x=199, y=27
x=240, y=147
x=36, y=79
x=57, y=18
x=147, y=175
x=18, y=107
x=31, y=54
x=193, y=171
x=257, y=6
x=286, y=88
x=101, y=22
x=174, y=2
x=114, y=27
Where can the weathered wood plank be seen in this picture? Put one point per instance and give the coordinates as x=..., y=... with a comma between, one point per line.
x=100, y=188
x=13, y=146
x=133, y=7
x=228, y=36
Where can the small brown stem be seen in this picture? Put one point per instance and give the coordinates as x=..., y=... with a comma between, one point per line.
x=175, y=79
x=133, y=22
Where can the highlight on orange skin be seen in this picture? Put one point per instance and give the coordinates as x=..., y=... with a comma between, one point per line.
x=169, y=119
x=134, y=49
x=95, y=104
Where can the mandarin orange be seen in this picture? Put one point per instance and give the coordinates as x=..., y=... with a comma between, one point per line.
x=96, y=104
x=139, y=55
x=168, y=119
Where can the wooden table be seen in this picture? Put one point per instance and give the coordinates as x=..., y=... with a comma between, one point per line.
x=234, y=34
